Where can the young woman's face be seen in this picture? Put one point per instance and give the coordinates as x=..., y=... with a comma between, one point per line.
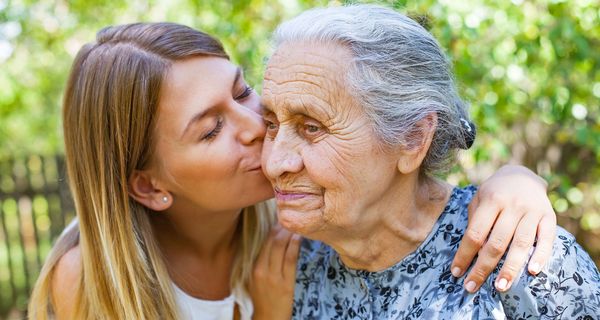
x=209, y=137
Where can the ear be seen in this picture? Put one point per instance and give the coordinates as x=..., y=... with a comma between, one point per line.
x=417, y=145
x=145, y=190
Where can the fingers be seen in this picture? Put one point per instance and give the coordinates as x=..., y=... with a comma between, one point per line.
x=278, y=256
x=492, y=251
x=262, y=261
x=278, y=251
x=272, y=285
x=482, y=218
x=518, y=252
x=291, y=257
x=545, y=239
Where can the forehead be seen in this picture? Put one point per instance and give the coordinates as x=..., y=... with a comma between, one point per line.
x=198, y=72
x=191, y=86
x=307, y=75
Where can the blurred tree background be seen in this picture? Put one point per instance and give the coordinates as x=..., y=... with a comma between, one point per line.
x=530, y=70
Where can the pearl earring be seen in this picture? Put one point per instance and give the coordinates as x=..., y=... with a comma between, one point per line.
x=165, y=199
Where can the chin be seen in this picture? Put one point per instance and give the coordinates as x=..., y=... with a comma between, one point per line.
x=302, y=223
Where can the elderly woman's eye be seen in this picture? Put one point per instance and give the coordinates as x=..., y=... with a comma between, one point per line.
x=312, y=130
x=272, y=128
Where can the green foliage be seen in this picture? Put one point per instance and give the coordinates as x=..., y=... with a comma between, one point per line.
x=39, y=39
x=530, y=70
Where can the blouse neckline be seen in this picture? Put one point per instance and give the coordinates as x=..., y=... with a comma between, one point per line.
x=404, y=264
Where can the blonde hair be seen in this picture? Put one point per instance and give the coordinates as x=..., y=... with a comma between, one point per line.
x=109, y=114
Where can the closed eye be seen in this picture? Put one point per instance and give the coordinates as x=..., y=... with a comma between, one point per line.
x=247, y=91
x=214, y=132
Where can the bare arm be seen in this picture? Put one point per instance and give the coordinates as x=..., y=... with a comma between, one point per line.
x=65, y=283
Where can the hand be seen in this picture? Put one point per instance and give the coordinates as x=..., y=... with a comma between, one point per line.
x=274, y=276
x=515, y=203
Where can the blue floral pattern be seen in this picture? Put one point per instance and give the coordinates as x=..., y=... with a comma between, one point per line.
x=422, y=287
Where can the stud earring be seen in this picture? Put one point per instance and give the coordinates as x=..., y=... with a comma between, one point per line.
x=165, y=199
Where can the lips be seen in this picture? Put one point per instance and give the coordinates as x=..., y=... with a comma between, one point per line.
x=290, y=195
x=256, y=168
x=251, y=165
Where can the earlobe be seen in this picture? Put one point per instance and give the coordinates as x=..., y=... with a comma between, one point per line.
x=417, y=146
x=143, y=190
x=404, y=165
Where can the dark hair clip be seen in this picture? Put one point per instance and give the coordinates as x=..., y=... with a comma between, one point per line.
x=469, y=132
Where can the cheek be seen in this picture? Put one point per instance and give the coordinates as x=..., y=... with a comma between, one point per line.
x=199, y=164
x=196, y=171
x=321, y=169
x=331, y=166
x=330, y=173
x=347, y=179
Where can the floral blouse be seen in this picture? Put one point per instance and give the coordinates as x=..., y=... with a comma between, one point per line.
x=422, y=287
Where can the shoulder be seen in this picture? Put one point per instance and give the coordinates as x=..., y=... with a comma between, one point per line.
x=569, y=285
x=462, y=197
x=65, y=283
x=459, y=200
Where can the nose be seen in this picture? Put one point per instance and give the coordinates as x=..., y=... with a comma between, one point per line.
x=251, y=127
x=281, y=155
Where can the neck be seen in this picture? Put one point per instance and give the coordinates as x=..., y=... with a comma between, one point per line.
x=393, y=227
x=205, y=235
x=199, y=249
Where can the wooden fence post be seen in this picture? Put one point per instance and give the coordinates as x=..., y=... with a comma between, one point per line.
x=35, y=206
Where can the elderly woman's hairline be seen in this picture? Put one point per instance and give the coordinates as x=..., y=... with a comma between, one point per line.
x=395, y=62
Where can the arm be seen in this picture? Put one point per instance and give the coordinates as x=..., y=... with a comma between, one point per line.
x=512, y=204
x=274, y=276
x=65, y=282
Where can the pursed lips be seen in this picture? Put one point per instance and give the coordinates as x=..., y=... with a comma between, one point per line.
x=251, y=165
x=256, y=168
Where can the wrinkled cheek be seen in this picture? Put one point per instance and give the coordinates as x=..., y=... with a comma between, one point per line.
x=332, y=208
x=339, y=208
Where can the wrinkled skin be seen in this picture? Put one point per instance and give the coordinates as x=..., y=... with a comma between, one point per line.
x=333, y=179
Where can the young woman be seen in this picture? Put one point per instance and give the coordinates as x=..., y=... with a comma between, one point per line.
x=162, y=141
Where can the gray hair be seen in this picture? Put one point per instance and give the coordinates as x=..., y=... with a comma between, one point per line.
x=399, y=74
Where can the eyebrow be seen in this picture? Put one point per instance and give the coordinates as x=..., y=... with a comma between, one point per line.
x=198, y=116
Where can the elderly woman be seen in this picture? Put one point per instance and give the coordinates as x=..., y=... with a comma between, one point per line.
x=362, y=112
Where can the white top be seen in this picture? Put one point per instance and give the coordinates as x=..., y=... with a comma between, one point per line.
x=192, y=308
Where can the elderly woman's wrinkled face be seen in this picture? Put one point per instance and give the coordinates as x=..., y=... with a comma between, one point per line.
x=320, y=153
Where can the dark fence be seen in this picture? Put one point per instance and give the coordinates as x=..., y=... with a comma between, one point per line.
x=35, y=206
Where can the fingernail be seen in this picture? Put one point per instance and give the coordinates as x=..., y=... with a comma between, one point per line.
x=470, y=286
x=535, y=268
x=456, y=272
x=502, y=284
